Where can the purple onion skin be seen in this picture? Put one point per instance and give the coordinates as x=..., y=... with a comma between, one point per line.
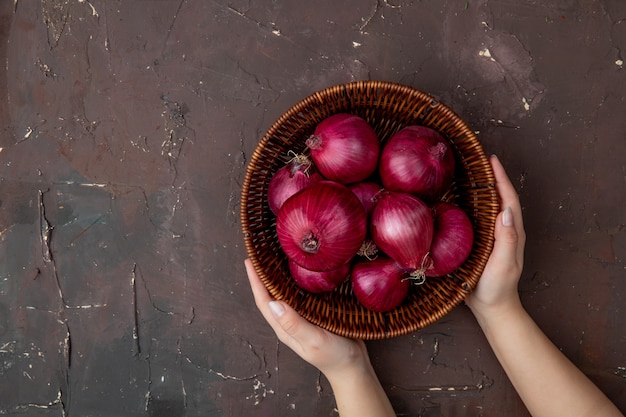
x=380, y=285
x=288, y=180
x=322, y=226
x=402, y=227
x=419, y=161
x=319, y=282
x=344, y=148
x=366, y=192
x=453, y=238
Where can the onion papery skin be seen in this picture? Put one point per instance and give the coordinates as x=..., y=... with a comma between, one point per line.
x=380, y=284
x=366, y=192
x=453, y=237
x=344, y=148
x=318, y=281
x=322, y=226
x=296, y=175
x=419, y=161
x=402, y=227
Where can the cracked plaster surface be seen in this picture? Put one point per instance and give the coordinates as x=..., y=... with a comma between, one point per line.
x=125, y=135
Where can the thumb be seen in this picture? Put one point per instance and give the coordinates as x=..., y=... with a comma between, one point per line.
x=507, y=231
x=506, y=236
x=292, y=324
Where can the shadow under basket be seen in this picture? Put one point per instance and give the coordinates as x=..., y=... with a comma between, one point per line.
x=387, y=107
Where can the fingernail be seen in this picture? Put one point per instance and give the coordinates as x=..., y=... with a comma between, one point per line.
x=507, y=217
x=276, y=308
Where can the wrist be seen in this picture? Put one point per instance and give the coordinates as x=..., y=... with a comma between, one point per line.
x=492, y=313
x=358, y=391
x=354, y=371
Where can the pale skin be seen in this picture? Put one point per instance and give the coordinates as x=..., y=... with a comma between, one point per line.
x=547, y=382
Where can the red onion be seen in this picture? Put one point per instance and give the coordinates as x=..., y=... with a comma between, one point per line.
x=453, y=237
x=417, y=160
x=345, y=148
x=366, y=192
x=297, y=174
x=380, y=285
x=402, y=227
x=322, y=226
x=318, y=281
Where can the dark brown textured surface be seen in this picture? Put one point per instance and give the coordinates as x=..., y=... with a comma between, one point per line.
x=125, y=131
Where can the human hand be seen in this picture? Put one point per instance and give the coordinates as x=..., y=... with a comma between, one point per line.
x=328, y=352
x=497, y=286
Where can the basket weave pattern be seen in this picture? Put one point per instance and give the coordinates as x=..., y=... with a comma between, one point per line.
x=387, y=107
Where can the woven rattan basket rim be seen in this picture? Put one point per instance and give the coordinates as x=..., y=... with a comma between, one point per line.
x=364, y=97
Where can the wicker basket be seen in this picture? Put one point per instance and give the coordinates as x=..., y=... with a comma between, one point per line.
x=387, y=107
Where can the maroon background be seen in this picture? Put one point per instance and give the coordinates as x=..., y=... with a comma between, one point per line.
x=126, y=130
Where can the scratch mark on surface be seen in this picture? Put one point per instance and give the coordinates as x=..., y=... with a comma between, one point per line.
x=243, y=15
x=270, y=28
x=29, y=131
x=484, y=382
x=174, y=119
x=45, y=229
x=171, y=27
x=137, y=273
x=148, y=396
x=94, y=12
x=45, y=69
x=435, y=350
x=368, y=19
x=238, y=162
x=55, y=15
x=220, y=374
x=85, y=306
x=45, y=234
x=514, y=69
x=8, y=347
x=260, y=392
x=318, y=385
x=182, y=373
x=66, y=344
x=57, y=402
x=82, y=232
x=93, y=184
x=486, y=53
x=133, y=286
x=224, y=376
x=275, y=30
x=6, y=230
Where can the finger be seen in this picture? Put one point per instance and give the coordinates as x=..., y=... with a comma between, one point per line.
x=509, y=231
x=506, y=191
x=297, y=328
x=261, y=295
x=508, y=195
x=505, y=247
x=284, y=320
